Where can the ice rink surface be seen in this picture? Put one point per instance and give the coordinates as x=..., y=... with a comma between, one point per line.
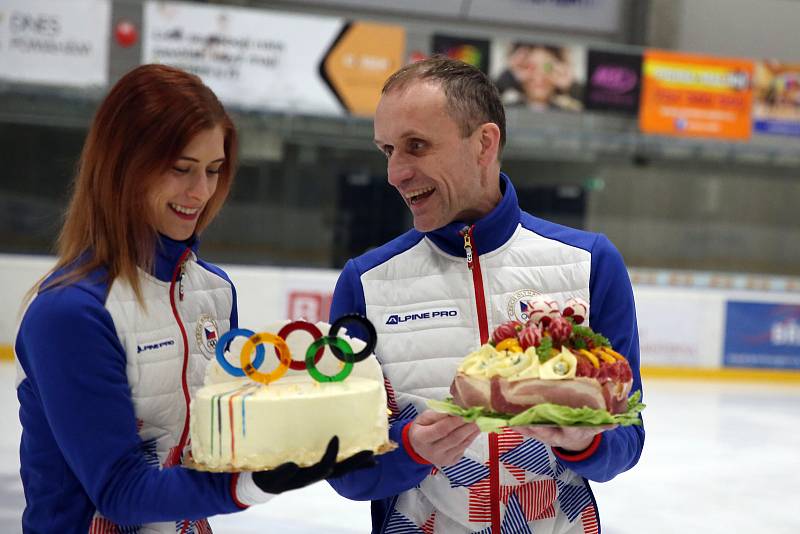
x=719, y=458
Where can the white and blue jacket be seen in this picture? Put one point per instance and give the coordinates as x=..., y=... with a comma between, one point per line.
x=431, y=306
x=104, y=387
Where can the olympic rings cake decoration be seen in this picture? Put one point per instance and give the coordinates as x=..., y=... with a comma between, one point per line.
x=340, y=348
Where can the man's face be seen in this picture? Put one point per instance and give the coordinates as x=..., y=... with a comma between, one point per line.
x=434, y=168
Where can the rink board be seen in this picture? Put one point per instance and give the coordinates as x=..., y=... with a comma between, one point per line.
x=683, y=330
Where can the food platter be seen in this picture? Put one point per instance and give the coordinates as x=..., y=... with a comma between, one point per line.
x=544, y=415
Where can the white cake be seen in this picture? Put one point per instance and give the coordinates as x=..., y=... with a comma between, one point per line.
x=238, y=424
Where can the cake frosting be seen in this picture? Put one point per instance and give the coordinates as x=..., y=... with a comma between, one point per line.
x=238, y=424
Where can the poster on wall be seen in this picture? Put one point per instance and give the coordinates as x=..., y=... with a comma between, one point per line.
x=613, y=82
x=55, y=42
x=776, y=110
x=472, y=51
x=272, y=60
x=539, y=76
x=696, y=96
x=759, y=334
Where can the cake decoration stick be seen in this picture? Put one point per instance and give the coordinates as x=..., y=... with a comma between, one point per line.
x=251, y=345
x=372, y=335
x=300, y=365
x=341, y=350
x=344, y=349
x=225, y=340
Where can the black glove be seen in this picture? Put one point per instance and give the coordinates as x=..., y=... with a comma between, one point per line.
x=290, y=476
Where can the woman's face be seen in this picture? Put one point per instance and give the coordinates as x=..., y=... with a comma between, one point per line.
x=179, y=196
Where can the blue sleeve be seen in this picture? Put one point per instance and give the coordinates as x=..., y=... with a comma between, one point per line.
x=70, y=351
x=613, y=314
x=396, y=471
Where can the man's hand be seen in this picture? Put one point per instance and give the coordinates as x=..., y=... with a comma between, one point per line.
x=441, y=438
x=570, y=438
x=290, y=476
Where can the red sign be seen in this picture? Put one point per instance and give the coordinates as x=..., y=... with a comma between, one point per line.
x=311, y=306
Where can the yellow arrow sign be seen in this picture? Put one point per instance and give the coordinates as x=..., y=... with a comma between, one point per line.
x=360, y=60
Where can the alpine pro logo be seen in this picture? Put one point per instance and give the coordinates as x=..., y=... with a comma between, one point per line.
x=155, y=345
x=421, y=315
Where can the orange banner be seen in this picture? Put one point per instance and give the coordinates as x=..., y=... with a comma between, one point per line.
x=696, y=96
x=361, y=59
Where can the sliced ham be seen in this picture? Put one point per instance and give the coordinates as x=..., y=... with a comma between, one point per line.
x=511, y=397
x=469, y=391
x=519, y=395
x=616, y=395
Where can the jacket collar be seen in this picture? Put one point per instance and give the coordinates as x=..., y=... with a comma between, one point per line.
x=489, y=233
x=168, y=254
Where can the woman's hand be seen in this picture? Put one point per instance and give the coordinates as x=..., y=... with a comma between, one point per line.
x=290, y=476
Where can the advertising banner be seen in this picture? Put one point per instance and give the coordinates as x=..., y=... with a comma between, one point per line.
x=777, y=98
x=272, y=60
x=613, y=82
x=539, y=76
x=590, y=15
x=472, y=51
x=55, y=42
x=679, y=328
x=363, y=56
x=250, y=58
x=696, y=96
x=759, y=334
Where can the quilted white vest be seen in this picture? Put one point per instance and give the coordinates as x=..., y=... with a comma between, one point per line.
x=156, y=338
x=422, y=302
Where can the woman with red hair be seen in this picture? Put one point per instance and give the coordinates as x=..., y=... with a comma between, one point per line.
x=119, y=333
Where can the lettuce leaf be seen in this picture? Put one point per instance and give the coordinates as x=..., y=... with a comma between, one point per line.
x=547, y=413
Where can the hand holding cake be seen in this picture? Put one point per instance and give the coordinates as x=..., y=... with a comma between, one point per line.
x=289, y=476
x=330, y=405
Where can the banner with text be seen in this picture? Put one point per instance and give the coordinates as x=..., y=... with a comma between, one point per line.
x=613, y=82
x=777, y=98
x=273, y=60
x=55, y=42
x=759, y=334
x=696, y=96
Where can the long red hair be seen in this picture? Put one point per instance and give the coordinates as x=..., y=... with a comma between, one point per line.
x=138, y=132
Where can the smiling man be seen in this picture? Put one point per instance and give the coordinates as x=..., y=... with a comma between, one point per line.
x=435, y=293
x=443, y=170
